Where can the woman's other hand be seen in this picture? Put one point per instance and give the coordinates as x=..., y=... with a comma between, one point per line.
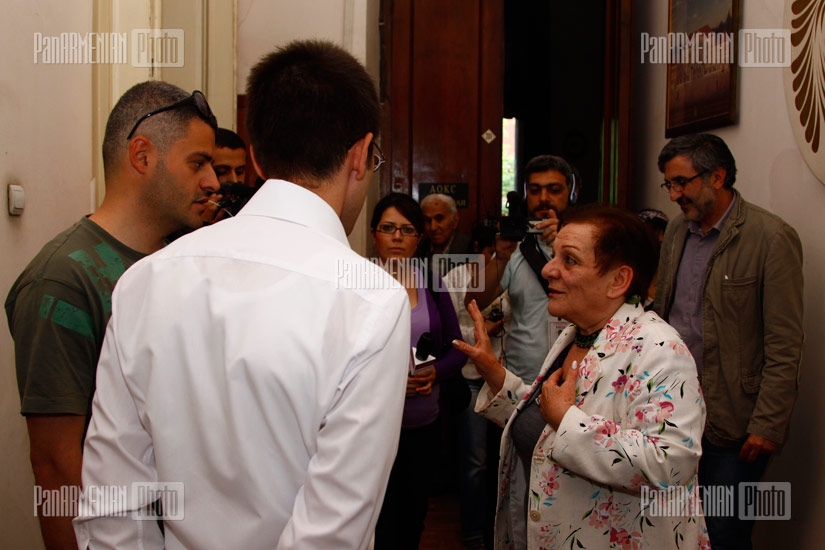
x=421, y=383
x=558, y=394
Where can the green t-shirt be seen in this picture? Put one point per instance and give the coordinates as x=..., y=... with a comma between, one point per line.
x=58, y=310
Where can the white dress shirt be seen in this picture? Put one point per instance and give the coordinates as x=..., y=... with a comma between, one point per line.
x=239, y=363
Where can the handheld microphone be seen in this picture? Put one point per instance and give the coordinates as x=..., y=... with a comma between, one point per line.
x=421, y=358
x=424, y=346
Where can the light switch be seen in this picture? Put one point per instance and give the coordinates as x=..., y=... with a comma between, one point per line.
x=17, y=199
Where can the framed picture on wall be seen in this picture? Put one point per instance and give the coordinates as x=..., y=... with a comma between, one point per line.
x=701, y=65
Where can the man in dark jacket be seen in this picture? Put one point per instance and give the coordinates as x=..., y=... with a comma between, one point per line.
x=730, y=281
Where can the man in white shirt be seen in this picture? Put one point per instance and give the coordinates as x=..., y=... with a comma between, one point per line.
x=258, y=387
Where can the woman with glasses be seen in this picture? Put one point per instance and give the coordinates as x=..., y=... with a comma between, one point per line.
x=397, y=225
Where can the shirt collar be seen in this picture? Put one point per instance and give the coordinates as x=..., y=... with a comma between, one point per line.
x=290, y=202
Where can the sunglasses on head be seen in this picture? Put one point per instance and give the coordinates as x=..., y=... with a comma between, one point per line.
x=196, y=100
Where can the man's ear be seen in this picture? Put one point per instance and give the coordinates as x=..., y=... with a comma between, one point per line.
x=255, y=164
x=141, y=154
x=357, y=157
x=717, y=178
x=621, y=278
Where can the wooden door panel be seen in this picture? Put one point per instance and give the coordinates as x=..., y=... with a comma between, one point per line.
x=491, y=102
x=397, y=99
x=444, y=82
x=443, y=91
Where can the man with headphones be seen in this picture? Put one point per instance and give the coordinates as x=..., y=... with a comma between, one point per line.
x=550, y=187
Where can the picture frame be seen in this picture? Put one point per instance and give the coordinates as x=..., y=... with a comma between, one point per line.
x=701, y=65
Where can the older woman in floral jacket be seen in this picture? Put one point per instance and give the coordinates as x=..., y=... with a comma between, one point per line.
x=602, y=450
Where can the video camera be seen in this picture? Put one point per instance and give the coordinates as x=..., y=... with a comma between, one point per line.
x=516, y=225
x=496, y=315
x=235, y=196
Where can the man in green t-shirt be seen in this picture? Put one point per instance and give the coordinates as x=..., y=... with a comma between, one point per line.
x=157, y=153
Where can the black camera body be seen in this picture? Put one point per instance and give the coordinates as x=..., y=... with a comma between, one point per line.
x=516, y=225
x=235, y=196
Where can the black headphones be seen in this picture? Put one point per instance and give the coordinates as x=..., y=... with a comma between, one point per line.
x=574, y=193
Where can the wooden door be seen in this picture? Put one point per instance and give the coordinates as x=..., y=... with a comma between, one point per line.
x=617, y=128
x=441, y=88
x=442, y=85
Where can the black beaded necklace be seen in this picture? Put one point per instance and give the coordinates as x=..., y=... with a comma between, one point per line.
x=585, y=341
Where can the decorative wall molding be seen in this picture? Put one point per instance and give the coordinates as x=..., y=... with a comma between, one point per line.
x=805, y=80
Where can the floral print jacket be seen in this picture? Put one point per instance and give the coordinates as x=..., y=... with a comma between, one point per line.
x=633, y=440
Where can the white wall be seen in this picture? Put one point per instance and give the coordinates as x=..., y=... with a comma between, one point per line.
x=45, y=144
x=262, y=26
x=352, y=24
x=772, y=174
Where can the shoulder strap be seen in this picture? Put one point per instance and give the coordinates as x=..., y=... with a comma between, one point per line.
x=535, y=258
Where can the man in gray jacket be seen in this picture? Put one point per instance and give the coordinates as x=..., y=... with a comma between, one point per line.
x=730, y=281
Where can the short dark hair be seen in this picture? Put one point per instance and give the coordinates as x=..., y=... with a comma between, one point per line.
x=405, y=205
x=620, y=239
x=162, y=129
x=308, y=103
x=229, y=139
x=543, y=163
x=707, y=152
x=654, y=219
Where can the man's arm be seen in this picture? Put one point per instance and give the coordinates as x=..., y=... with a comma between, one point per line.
x=55, y=354
x=345, y=482
x=115, y=456
x=782, y=311
x=56, y=458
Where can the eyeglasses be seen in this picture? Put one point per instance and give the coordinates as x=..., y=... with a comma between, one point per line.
x=391, y=228
x=378, y=158
x=679, y=183
x=196, y=100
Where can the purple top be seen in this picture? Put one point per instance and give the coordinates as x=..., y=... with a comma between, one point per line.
x=420, y=322
x=434, y=313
